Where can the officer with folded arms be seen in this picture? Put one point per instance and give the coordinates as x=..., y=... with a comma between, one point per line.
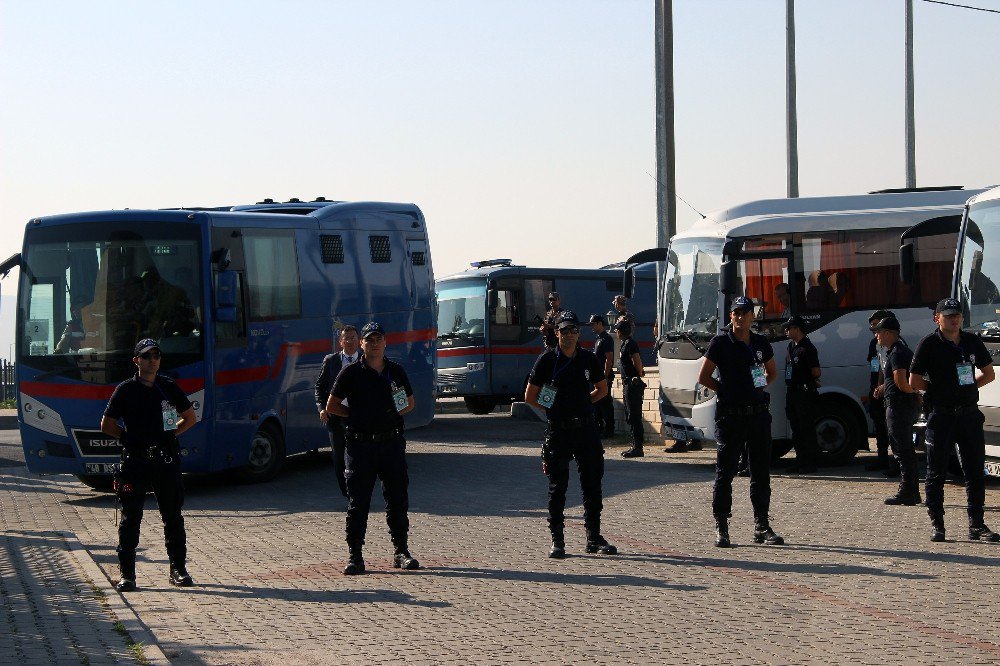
x=566, y=382
x=956, y=364
x=745, y=362
x=155, y=412
x=372, y=395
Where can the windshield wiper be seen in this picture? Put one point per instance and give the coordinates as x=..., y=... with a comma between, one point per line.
x=687, y=335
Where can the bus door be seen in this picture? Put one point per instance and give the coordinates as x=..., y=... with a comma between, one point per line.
x=762, y=275
x=421, y=287
x=517, y=307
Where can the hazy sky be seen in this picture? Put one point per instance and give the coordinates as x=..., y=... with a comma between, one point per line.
x=523, y=128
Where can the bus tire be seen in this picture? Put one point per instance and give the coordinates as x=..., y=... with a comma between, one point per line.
x=480, y=404
x=266, y=456
x=839, y=432
x=105, y=483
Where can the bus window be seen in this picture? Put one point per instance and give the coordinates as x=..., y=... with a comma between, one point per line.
x=764, y=280
x=505, y=317
x=272, y=274
x=535, y=304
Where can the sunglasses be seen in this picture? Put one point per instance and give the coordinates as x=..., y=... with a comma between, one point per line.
x=571, y=329
x=155, y=355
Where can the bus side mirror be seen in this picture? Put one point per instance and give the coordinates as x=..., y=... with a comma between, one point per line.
x=226, y=284
x=491, y=299
x=628, y=284
x=729, y=280
x=907, y=263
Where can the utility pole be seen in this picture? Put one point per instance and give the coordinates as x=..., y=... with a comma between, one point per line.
x=791, y=114
x=666, y=195
x=911, y=132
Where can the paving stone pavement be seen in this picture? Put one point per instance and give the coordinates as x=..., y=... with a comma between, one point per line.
x=858, y=582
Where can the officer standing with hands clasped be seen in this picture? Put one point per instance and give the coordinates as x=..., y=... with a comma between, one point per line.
x=332, y=365
x=372, y=395
x=630, y=367
x=901, y=405
x=745, y=361
x=949, y=358
x=155, y=412
x=802, y=374
x=605, y=352
x=566, y=382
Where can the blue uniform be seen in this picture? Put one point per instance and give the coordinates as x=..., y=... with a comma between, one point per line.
x=741, y=418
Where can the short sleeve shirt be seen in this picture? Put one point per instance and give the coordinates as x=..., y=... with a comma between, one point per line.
x=899, y=357
x=141, y=408
x=938, y=358
x=736, y=360
x=873, y=361
x=573, y=379
x=799, y=363
x=550, y=320
x=369, y=395
x=605, y=345
x=625, y=364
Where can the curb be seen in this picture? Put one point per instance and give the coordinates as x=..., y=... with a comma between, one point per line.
x=116, y=602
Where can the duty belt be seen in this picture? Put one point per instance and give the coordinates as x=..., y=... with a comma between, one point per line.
x=741, y=410
x=377, y=436
x=956, y=410
x=147, y=452
x=571, y=424
x=801, y=388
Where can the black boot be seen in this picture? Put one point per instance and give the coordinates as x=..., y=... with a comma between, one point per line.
x=762, y=533
x=179, y=575
x=979, y=532
x=679, y=446
x=558, y=550
x=892, y=472
x=879, y=464
x=634, y=452
x=355, y=563
x=907, y=495
x=937, y=523
x=722, y=533
x=598, y=544
x=402, y=559
x=127, y=581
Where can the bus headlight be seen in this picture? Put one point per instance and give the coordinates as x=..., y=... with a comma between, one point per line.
x=38, y=415
x=702, y=394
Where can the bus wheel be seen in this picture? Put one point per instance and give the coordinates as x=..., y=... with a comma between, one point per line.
x=266, y=457
x=480, y=404
x=837, y=433
x=102, y=482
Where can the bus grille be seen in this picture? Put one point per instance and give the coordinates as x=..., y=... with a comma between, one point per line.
x=450, y=378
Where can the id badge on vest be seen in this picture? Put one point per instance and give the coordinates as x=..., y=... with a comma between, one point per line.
x=399, y=399
x=547, y=396
x=169, y=417
x=966, y=375
x=759, y=376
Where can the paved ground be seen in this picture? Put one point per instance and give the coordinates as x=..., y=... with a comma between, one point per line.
x=858, y=582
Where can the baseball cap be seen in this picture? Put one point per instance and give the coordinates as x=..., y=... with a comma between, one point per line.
x=888, y=324
x=596, y=318
x=145, y=345
x=796, y=321
x=879, y=315
x=555, y=295
x=948, y=306
x=741, y=303
x=567, y=319
x=372, y=328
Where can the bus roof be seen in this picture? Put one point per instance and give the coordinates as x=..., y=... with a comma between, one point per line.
x=989, y=195
x=529, y=271
x=768, y=216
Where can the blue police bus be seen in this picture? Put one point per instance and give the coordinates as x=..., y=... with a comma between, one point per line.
x=244, y=301
x=488, y=319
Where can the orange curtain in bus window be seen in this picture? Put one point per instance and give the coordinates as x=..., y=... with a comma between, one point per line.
x=853, y=273
x=763, y=277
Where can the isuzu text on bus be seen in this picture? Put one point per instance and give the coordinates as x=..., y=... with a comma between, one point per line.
x=244, y=301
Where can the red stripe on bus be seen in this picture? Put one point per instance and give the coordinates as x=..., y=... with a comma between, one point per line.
x=91, y=391
x=461, y=351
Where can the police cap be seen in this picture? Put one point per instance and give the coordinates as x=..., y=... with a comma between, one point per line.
x=741, y=303
x=888, y=324
x=372, y=328
x=597, y=319
x=796, y=321
x=948, y=306
x=567, y=319
x=879, y=315
x=144, y=346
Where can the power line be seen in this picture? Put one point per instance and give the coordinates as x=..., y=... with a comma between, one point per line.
x=952, y=4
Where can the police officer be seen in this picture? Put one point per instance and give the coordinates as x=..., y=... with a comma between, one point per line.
x=372, y=395
x=632, y=372
x=802, y=372
x=155, y=412
x=332, y=365
x=876, y=406
x=901, y=406
x=620, y=304
x=548, y=326
x=745, y=361
x=949, y=358
x=604, y=349
x=566, y=382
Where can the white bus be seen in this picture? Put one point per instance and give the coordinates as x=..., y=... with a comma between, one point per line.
x=977, y=271
x=831, y=260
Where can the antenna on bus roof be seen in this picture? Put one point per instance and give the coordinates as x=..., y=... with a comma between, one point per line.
x=490, y=262
x=683, y=200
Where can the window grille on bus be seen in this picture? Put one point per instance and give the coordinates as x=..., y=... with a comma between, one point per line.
x=332, y=248
x=381, y=253
x=417, y=258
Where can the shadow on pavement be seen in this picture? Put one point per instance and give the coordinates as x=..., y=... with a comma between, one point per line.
x=598, y=580
x=312, y=596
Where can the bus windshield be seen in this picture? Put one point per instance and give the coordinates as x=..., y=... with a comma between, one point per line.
x=461, y=314
x=979, y=270
x=89, y=292
x=691, y=288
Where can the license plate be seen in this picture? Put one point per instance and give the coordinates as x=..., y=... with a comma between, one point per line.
x=99, y=468
x=679, y=434
x=993, y=468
